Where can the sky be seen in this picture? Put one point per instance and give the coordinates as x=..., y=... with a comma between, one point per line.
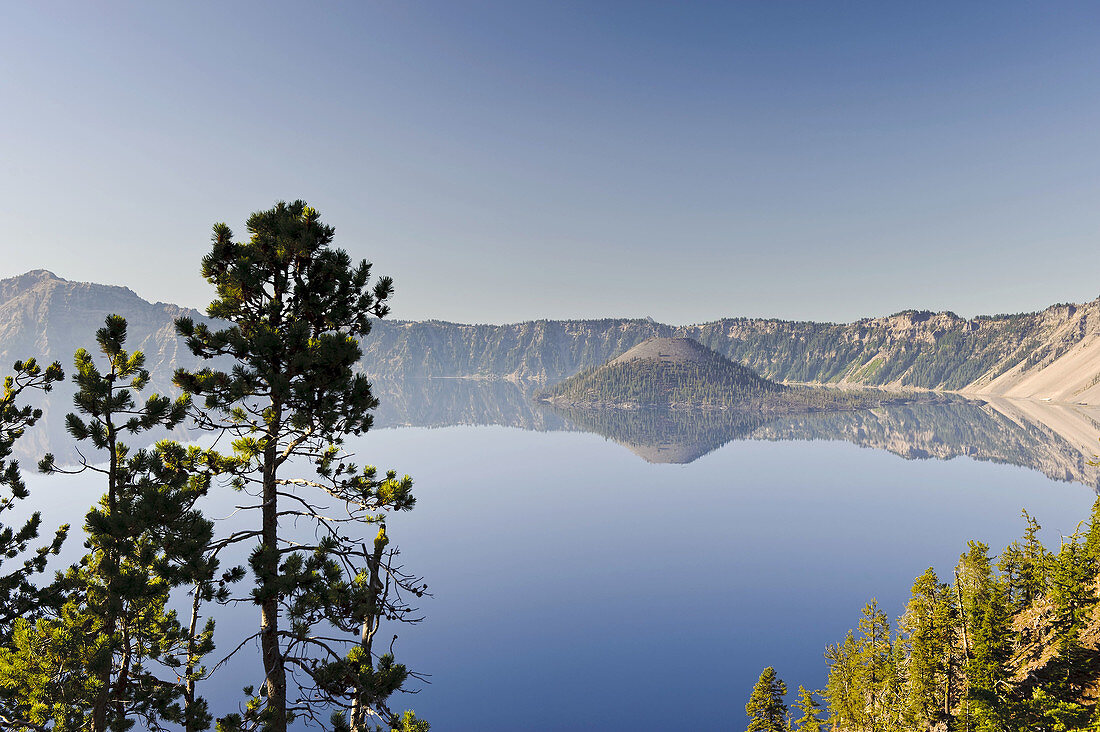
x=507, y=161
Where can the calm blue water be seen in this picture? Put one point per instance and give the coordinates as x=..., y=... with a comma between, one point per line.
x=577, y=586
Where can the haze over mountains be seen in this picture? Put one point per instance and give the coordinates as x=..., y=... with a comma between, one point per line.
x=1053, y=354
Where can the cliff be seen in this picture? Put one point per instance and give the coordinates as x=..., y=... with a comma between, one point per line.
x=1052, y=354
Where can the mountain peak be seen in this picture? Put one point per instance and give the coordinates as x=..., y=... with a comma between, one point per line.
x=35, y=275
x=669, y=350
x=663, y=372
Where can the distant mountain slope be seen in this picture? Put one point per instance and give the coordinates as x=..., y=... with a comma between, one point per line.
x=1051, y=354
x=47, y=317
x=547, y=350
x=916, y=349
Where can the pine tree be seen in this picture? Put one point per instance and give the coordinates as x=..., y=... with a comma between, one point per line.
x=766, y=710
x=875, y=659
x=986, y=637
x=19, y=597
x=93, y=665
x=1073, y=578
x=1026, y=568
x=810, y=721
x=844, y=688
x=296, y=308
x=929, y=622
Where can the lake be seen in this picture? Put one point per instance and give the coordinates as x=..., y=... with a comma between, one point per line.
x=637, y=572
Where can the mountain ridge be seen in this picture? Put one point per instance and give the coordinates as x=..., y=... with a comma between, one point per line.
x=48, y=317
x=992, y=355
x=1048, y=354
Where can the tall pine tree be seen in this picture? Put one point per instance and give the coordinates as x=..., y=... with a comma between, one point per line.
x=930, y=623
x=987, y=641
x=876, y=662
x=296, y=308
x=844, y=687
x=766, y=710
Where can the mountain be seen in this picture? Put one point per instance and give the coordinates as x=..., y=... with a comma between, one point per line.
x=48, y=318
x=667, y=372
x=681, y=351
x=1053, y=354
x=44, y=316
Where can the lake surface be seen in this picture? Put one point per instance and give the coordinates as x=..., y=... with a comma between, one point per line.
x=637, y=573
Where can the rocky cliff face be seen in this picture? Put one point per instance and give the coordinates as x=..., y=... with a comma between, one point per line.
x=44, y=316
x=998, y=355
x=1053, y=354
x=545, y=350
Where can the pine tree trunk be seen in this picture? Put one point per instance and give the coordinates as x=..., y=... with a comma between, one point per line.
x=274, y=664
x=359, y=712
x=189, y=670
x=103, y=698
x=965, y=691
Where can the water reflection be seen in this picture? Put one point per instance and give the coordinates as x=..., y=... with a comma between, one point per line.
x=1057, y=440
x=549, y=552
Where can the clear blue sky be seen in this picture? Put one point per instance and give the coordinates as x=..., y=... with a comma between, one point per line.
x=514, y=160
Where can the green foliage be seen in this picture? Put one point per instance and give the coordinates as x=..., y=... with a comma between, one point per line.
x=297, y=309
x=929, y=624
x=811, y=720
x=985, y=627
x=843, y=689
x=766, y=710
x=112, y=653
x=1045, y=712
x=18, y=595
x=999, y=650
x=1073, y=590
x=866, y=683
x=1026, y=567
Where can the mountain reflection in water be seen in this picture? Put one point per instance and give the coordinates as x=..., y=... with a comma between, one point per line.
x=1057, y=440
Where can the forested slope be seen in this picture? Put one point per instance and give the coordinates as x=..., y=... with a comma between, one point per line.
x=1007, y=643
